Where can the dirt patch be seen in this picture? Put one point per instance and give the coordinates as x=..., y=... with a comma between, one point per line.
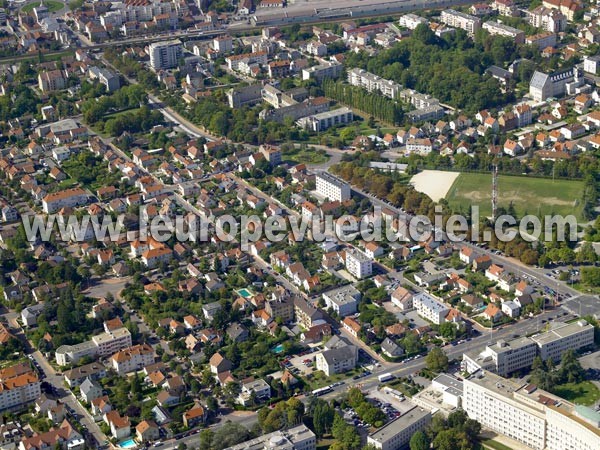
x=434, y=183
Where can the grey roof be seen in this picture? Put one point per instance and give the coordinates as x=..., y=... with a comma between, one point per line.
x=498, y=72
x=538, y=80
x=88, y=385
x=339, y=354
x=390, y=346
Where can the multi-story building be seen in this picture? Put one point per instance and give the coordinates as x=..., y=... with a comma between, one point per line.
x=358, y=264
x=397, y=433
x=456, y=19
x=307, y=315
x=132, y=358
x=542, y=40
x=371, y=82
x=296, y=438
x=103, y=344
x=68, y=198
x=564, y=337
x=105, y=77
x=94, y=371
x=247, y=95
x=322, y=71
x=223, y=44
x=500, y=29
x=430, y=308
x=166, y=54
x=411, y=21
x=331, y=187
x=529, y=415
x=19, y=386
x=52, y=80
x=545, y=85
x=234, y=61
x=506, y=357
x=327, y=119
x=343, y=300
x=548, y=19
x=337, y=360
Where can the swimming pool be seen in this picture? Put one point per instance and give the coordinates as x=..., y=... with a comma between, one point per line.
x=245, y=293
x=277, y=349
x=129, y=443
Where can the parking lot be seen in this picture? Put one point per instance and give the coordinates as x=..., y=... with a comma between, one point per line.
x=302, y=363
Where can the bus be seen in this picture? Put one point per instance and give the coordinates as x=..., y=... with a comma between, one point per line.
x=322, y=391
x=385, y=377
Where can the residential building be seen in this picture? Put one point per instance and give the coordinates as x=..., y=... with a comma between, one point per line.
x=247, y=95
x=132, y=358
x=373, y=83
x=306, y=314
x=500, y=29
x=332, y=188
x=396, y=434
x=103, y=344
x=66, y=436
x=20, y=386
x=259, y=389
x=402, y=298
x=337, y=360
x=294, y=438
x=534, y=418
x=53, y=80
x=411, y=21
x=322, y=71
x=343, y=300
x=591, y=64
x=430, y=308
x=543, y=86
x=165, y=54
x=358, y=264
x=564, y=337
x=68, y=198
x=461, y=20
x=323, y=121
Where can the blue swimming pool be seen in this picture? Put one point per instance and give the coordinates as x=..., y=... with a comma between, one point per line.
x=277, y=349
x=245, y=293
x=129, y=443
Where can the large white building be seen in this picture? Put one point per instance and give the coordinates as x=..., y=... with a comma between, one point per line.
x=461, y=20
x=322, y=71
x=326, y=119
x=506, y=357
x=371, y=82
x=166, y=54
x=68, y=198
x=358, y=263
x=343, y=300
x=103, y=344
x=397, y=433
x=296, y=438
x=430, y=308
x=332, y=188
x=337, y=360
x=500, y=29
x=529, y=415
x=20, y=386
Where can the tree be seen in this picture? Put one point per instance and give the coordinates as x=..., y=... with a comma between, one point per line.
x=436, y=360
x=322, y=417
x=419, y=441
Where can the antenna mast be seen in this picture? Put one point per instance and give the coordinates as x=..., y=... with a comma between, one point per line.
x=494, y=191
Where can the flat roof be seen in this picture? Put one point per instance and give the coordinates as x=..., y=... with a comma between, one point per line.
x=562, y=331
x=395, y=427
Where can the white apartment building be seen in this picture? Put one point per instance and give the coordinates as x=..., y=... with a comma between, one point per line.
x=371, y=82
x=235, y=62
x=461, y=20
x=132, y=358
x=397, y=433
x=322, y=71
x=343, y=300
x=103, y=344
x=529, y=415
x=20, y=386
x=327, y=119
x=223, y=44
x=331, y=187
x=499, y=29
x=68, y=198
x=430, y=308
x=563, y=337
x=411, y=21
x=337, y=360
x=296, y=438
x=358, y=263
x=165, y=55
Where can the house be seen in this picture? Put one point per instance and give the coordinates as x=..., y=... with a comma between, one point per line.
x=120, y=427
x=166, y=398
x=391, y=349
x=258, y=389
x=467, y=255
x=147, y=431
x=492, y=313
x=101, y=405
x=218, y=364
x=402, y=298
x=238, y=332
x=522, y=288
x=352, y=326
x=90, y=390
x=337, y=360
x=511, y=309
x=65, y=436
x=482, y=262
x=472, y=300
x=316, y=333
x=523, y=300
x=194, y=416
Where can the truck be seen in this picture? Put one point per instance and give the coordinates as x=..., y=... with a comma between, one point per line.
x=385, y=377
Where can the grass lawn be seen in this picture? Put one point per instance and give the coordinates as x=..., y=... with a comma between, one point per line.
x=52, y=6
x=120, y=113
x=325, y=443
x=538, y=196
x=490, y=443
x=306, y=156
x=584, y=393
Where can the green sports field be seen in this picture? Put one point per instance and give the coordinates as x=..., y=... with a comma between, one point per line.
x=52, y=6
x=529, y=195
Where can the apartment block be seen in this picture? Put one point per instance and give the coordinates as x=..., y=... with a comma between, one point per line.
x=103, y=344
x=564, y=337
x=430, y=308
x=327, y=119
x=322, y=71
x=165, y=55
x=343, y=300
x=332, y=188
x=535, y=418
x=373, y=83
x=397, y=433
x=358, y=264
x=499, y=29
x=456, y=19
x=132, y=358
x=19, y=386
x=68, y=198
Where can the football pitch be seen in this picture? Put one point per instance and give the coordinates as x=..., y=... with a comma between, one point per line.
x=529, y=195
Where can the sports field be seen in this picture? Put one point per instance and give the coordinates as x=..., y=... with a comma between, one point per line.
x=52, y=6
x=529, y=195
